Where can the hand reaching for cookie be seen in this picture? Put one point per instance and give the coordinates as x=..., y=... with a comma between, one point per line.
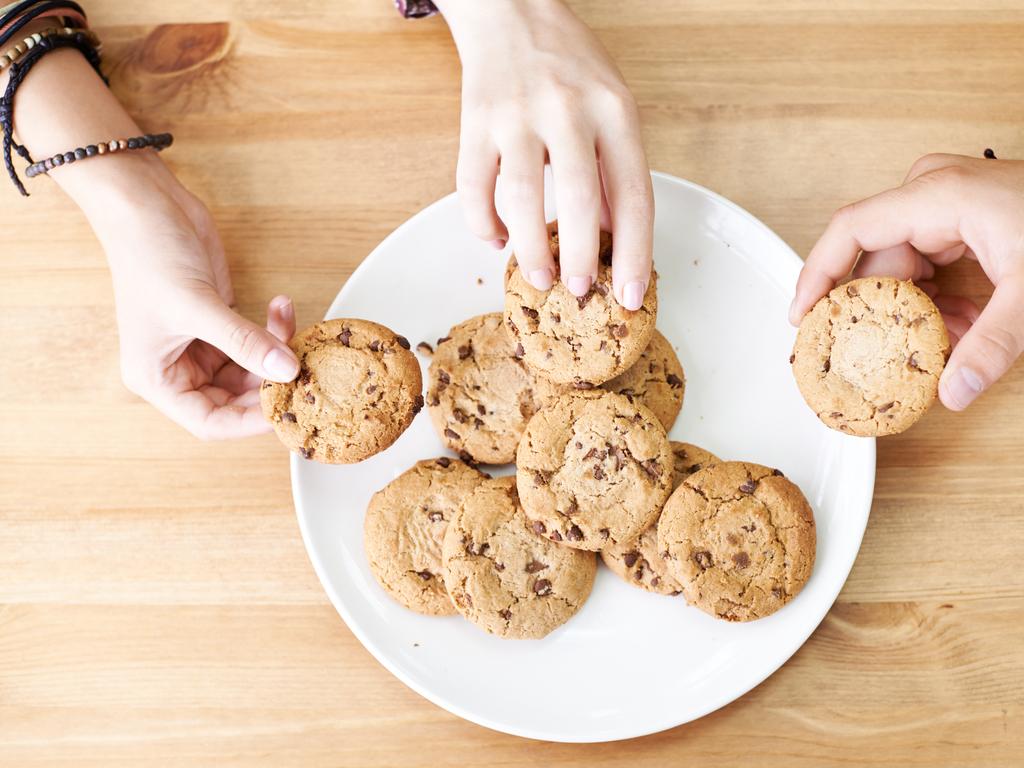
x=537, y=86
x=948, y=207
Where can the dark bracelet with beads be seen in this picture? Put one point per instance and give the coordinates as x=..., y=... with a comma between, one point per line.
x=157, y=141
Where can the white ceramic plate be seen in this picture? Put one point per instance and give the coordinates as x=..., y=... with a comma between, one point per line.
x=629, y=663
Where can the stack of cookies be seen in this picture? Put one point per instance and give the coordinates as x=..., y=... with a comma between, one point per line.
x=580, y=394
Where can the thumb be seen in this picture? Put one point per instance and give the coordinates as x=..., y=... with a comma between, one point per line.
x=252, y=347
x=988, y=349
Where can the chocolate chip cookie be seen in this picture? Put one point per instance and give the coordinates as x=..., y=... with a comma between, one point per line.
x=868, y=356
x=581, y=341
x=593, y=469
x=404, y=528
x=479, y=393
x=656, y=380
x=358, y=389
x=740, y=540
x=501, y=576
x=640, y=562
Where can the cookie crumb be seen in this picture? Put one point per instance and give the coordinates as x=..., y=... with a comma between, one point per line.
x=425, y=349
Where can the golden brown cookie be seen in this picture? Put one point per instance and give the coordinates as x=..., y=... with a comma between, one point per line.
x=502, y=577
x=357, y=390
x=581, y=341
x=404, y=528
x=593, y=469
x=656, y=379
x=740, y=540
x=479, y=393
x=868, y=356
x=640, y=562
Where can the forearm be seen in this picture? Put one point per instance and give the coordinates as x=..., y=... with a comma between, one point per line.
x=63, y=104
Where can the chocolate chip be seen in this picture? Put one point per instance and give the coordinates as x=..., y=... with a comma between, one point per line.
x=443, y=339
x=435, y=517
x=836, y=415
x=444, y=378
x=538, y=527
x=598, y=474
x=778, y=594
x=473, y=548
x=288, y=416
x=541, y=478
x=434, y=400
x=792, y=359
x=583, y=384
x=827, y=366
x=630, y=558
x=477, y=423
x=520, y=351
x=304, y=376
x=556, y=317
x=581, y=301
x=655, y=581
x=542, y=587
x=652, y=468
x=467, y=457
x=777, y=473
x=638, y=574
x=601, y=288
x=505, y=614
x=749, y=528
x=749, y=486
x=417, y=404
x=402, y=342
x=620, y=331
x=533, y=314
x=605, y=533
x=481, y=410
x=912, y=362
x=307, y=453
x=620, y=458
x=579, y=446
x=425, y=575
x=425, y=348
x=574, y=534
x=693, y=468
x=371, y=389
x=886, y=407
x=674, y=381
x=451, y=434
x=460, y=415
x=499, y=567
x=445, y=462
x=556, y=536
x=534, y=566
x=465, y=351
x=878, y=285
x=741, y=559
x=703, y=559
x=375, y=345
x=345, y=336
x=309, y=398
x=573, y=508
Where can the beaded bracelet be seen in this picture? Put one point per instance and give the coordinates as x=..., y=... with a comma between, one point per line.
x=157, y=141
x=14, y=53
x=27, y=12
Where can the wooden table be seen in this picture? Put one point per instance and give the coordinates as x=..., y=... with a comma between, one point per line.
x=156, y=603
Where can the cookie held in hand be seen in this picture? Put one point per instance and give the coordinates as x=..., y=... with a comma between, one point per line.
x=583, y=341
x=868, y=356
x=358, y=389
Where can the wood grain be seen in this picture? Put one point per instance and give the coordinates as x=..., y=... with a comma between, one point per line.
x=156, y=604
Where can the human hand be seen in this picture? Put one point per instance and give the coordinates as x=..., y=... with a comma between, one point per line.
x=948, y=207
x=182, y=346
x=537, y=85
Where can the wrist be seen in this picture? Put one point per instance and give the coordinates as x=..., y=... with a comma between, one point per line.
x=473, y=23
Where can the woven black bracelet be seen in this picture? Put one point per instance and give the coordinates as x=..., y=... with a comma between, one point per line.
x=18, y=72
x=157, y=141
x=32, y=13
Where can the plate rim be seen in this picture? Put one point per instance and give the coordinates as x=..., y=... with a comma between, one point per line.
x=458, y=710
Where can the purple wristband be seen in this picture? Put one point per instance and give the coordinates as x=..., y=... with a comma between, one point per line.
x=415, y=9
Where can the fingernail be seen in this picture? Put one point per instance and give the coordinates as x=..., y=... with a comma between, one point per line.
x=280, y=366
x=287, y=309
x=541, y=279
x=633, y=294
x=496, y=244
x=794, y=318
x=962, y=387
x=578, y=285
